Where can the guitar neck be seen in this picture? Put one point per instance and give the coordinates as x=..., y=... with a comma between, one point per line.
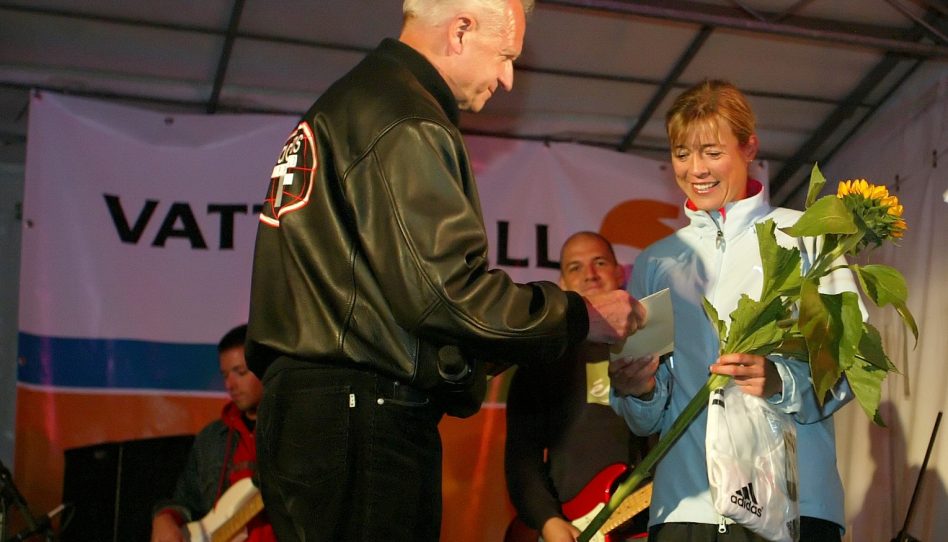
x=234, y=524
x=633, y=504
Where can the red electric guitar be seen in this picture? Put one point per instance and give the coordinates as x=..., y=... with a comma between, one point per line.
x=582, y=508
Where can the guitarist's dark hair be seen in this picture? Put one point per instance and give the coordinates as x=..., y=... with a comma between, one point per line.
x=233, y=338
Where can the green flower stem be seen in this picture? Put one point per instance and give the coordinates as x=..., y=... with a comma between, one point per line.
x=824, y=260
x=644, y=469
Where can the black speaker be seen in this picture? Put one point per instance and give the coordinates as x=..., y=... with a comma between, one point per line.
x=113, y=486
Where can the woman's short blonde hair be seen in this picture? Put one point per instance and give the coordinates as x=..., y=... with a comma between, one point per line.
x=700, y=107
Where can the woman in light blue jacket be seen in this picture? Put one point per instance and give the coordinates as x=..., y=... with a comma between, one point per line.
x=713, y=141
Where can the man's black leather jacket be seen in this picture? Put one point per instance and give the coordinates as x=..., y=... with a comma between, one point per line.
x=372, y=249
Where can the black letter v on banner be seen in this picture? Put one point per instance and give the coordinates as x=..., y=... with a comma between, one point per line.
x=129, y=234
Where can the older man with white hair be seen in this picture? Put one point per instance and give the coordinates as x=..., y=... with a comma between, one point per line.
x=372, y=304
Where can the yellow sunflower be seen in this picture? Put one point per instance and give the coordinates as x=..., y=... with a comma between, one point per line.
x=878, y=212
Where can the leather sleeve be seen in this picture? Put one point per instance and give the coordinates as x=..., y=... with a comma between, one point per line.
x=423, y=236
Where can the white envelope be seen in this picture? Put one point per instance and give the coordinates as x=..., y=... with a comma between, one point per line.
x=658, y=335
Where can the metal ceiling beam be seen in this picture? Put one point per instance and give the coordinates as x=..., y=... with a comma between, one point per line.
x=934, y=32
x=938, y=5
x=698, y=10
x=224, y=60
x=128, y=21
x=856, y=34
x=665, y=87
x=365, y=50
x=805, y=154
x=803, y=28
x=865, y=118
x=177, y=27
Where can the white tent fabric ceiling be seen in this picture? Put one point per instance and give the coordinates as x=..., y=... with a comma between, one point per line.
x=599, y=72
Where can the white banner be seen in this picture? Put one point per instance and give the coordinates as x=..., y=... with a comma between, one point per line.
x=137, y=224
x=140, y=225
x=535, y=195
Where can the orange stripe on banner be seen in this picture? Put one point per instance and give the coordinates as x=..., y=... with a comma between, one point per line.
x=48, y=422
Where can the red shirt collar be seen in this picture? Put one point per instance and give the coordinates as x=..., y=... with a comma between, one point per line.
x=754, y=187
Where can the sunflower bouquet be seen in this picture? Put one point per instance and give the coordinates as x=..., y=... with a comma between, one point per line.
x=791, y=318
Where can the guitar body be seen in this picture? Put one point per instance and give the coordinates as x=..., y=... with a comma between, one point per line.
x=593, y=497
x=226, y=521
x=581, y=509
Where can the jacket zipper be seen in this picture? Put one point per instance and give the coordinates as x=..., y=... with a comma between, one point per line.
x=720, y=246
x=719, y=239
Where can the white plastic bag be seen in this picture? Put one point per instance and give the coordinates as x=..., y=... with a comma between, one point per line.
x=752, y=464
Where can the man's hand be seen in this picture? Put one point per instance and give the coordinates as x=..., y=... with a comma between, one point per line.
x=164, y=528
x=633, y=376
x=559, y=530
x=613, y=316
x=755, y=375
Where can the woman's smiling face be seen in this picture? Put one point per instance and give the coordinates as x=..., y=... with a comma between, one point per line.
x=711, y=165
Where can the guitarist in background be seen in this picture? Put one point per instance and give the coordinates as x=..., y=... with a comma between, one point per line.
x=561, y=431
x=223, y=452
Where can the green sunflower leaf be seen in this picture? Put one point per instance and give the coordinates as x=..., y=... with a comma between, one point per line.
x=828, y=215
x=817, y=181
x=781, y=266
x=866, y=381
x=885, y=285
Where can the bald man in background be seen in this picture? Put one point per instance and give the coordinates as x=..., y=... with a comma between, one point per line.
x=561, y=431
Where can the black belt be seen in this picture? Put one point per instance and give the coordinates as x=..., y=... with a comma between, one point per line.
x=362, y=378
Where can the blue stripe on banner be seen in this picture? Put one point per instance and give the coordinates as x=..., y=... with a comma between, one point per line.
x=117, y=363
